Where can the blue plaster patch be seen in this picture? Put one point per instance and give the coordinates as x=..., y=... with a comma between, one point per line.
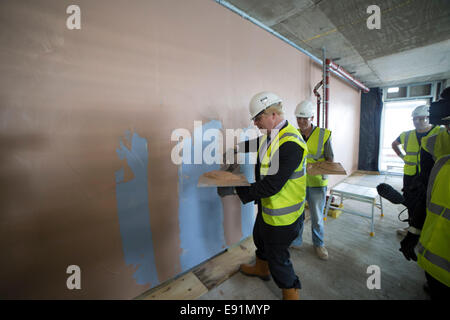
x=133, y=211
x=247, y=210
x=200, y=209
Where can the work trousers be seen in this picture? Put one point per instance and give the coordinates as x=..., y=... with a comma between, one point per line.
x=410, y=198
x=316, y=197
x=272, y=243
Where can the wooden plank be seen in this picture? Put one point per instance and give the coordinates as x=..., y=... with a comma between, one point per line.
x=325, y=167
x=186, y=287
x=219, y=269
x=236, y=180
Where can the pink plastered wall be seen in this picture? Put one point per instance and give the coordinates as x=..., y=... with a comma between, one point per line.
x=67, y=99
x=343, y=121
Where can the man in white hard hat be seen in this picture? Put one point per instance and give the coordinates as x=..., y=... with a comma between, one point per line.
x=279, y=192
x=411, y=142
x=318, y=141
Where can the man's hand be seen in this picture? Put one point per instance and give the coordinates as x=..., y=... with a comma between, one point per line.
x=408, y=244
x=395, y=147
x=231, y=156
x=225, y=191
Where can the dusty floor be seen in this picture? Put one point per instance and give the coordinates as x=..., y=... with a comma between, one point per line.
x=351, y=251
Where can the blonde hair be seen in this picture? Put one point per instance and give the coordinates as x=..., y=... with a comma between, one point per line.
x=275, y=108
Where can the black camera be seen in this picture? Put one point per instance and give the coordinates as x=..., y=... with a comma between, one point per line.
x=441, y=109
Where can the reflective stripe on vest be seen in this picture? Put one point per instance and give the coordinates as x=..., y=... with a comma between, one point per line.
x=434, y=242
x=283, y=211
x=320, y=145
x=437, y=209
x=412, y=148
x=316, y=144
x=430, y=143
x=298, y=174
x=295, y=175
x=287, y=205
x=431, y=180
x=264, y=146
x=433, y=258
x=437, y=144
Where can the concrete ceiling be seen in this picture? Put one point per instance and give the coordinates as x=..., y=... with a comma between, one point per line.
x=413, y=44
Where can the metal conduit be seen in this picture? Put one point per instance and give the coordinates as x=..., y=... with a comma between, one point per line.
x=276, y=34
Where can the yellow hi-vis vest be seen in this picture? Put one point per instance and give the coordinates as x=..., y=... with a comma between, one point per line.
x=316, y=144
x=412, y=148
x=285, y=207
x=438, y=144
x=434, y=242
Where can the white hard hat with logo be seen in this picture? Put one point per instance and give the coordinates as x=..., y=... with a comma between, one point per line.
x=421, y=111
x=305, y=109
x=261, y=101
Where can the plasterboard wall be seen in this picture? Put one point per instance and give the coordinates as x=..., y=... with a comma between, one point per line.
x=86, y=123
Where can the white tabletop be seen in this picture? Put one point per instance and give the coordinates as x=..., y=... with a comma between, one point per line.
x=355, y=190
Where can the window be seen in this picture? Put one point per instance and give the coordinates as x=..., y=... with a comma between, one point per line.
x=396, y=92
x=396, y=118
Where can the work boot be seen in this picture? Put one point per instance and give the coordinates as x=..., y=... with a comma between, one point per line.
x=291, y=294
x=260, y=269
x=321, y=252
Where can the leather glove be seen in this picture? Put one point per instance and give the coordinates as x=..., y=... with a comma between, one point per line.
x=408, y=244
x=225, y=191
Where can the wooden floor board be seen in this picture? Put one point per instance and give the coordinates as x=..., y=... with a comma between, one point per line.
x=186, y=287
x=206, y=276
x=219, y=269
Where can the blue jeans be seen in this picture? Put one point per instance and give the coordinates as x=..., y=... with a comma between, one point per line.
x=316, y=201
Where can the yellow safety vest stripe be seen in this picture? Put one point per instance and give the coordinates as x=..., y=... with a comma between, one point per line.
x=438, y=144
x=287, y=205
x=434, y=242
x=412, y=148
x=316, y=145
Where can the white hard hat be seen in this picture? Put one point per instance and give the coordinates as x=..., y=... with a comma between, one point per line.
x=261, y=101
x=305, y=109
x=421, y=111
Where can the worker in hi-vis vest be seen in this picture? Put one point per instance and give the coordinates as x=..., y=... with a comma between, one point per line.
x=279, y=192
x=318, y=141
x=429, y=230
x=410, y=142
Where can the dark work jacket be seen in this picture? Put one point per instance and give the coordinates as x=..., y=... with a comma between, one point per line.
x=290, y=155
x=419, y=190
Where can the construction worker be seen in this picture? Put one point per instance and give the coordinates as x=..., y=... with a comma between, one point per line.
x=411, y=141
x=318, y=141
x=430, y=220
x=279, y=192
